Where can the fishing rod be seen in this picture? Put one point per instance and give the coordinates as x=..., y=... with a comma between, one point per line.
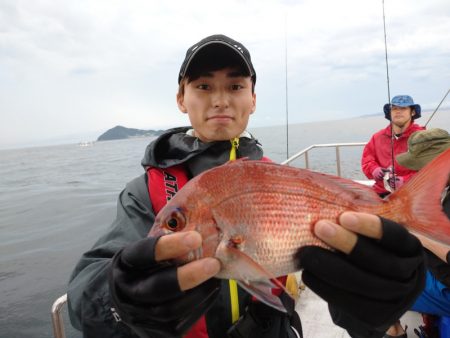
x=389, y=97
x=448, y=91
x=286, y=86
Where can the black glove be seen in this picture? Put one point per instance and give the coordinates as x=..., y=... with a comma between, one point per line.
x=373, y=285
x=147, y=295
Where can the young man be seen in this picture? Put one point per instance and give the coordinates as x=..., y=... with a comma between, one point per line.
x=127, y=285
x=423, y=147
x=377, y=155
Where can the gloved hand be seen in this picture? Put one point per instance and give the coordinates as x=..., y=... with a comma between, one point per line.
x=373, y=285
x=147, y=294
x=399, y=181
x=378, y=173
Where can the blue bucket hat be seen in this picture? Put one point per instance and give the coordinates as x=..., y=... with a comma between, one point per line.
x=401, y=101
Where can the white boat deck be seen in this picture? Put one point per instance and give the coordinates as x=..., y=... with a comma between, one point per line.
x=316, y=320
x=317, y=323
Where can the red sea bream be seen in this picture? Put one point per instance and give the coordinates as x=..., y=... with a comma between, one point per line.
x=254, y=215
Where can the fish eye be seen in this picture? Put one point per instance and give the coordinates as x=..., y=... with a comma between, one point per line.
x=176, y=221
x=172, y=223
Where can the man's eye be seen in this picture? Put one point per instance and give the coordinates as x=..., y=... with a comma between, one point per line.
x=236, y=87
x=203, y=86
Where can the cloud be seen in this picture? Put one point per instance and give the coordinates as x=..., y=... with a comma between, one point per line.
x=75, y=66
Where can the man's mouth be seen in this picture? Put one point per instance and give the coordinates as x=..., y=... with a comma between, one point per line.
x=220, y=118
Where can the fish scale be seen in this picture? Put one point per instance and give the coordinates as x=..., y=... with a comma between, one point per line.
x=273, y=242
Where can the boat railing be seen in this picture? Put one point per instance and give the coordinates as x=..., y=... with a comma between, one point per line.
x=57, y=320
x=337, y=147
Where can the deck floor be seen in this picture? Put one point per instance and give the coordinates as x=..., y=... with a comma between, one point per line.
x=317, y=323
x=316, y=320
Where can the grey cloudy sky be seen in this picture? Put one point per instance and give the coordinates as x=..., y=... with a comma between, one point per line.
x=79, y=67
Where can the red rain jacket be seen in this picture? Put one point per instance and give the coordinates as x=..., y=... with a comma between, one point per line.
x=377, y=153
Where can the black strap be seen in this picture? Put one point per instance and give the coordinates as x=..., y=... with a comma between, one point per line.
x=257, y=321
x=289, y=304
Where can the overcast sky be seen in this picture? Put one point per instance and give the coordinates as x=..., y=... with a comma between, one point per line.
x=84, y=66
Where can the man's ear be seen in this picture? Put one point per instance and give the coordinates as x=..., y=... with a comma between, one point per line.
x=254, y=103
x=413, y=112
x=180, y=103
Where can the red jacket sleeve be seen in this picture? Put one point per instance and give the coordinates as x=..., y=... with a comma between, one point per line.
x=368, y=159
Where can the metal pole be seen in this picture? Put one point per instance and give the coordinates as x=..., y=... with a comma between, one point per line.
x=338, y=161
x=57, y=320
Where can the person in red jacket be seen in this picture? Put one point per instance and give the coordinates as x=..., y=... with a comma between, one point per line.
x=377, y=158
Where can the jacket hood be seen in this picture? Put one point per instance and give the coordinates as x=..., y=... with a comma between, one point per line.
x=176, y=147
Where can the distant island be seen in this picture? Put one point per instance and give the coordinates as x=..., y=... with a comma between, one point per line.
x=120, y=132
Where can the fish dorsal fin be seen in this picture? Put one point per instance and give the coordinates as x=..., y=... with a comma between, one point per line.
x=352, y=190
x=346, y=188
x=251, y=276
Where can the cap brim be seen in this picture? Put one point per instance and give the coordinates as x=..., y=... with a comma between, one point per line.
x=417, y=162
x=418, y=110
x=408, y=161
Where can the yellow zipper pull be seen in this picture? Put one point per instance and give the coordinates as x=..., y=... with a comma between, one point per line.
x=234, y=147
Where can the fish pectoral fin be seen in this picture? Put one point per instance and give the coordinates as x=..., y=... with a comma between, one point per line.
x=262, y=290
x=252, y=277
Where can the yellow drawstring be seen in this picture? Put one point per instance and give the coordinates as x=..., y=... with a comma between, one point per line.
x=234, y=299
x=234, y=147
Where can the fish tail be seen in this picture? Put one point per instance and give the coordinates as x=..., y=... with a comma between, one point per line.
x=417, y=204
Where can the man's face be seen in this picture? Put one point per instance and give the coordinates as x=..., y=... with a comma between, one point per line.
x=219, y=104
x=401, y=116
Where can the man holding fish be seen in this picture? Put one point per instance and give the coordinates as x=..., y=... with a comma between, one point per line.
x=137, y=281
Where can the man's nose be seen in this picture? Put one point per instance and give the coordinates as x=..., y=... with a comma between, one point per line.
x=220, y=99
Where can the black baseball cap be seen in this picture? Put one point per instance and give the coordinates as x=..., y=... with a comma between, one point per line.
x=214, y=44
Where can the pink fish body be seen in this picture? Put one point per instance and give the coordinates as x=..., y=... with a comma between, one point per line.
x=254, y=216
